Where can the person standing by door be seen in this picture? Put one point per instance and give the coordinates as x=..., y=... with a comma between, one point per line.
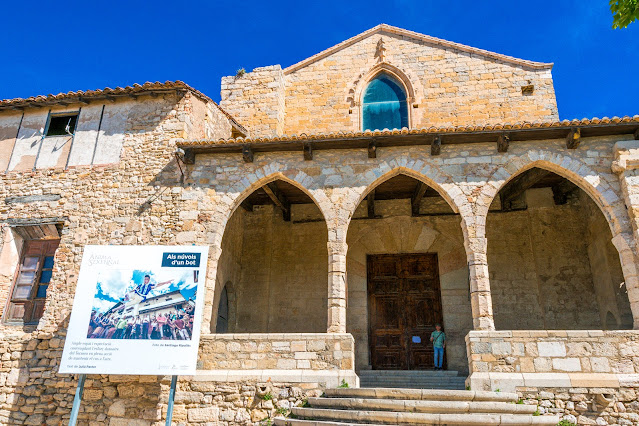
x=438, y=337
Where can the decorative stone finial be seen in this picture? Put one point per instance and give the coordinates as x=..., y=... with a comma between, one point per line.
x=379, y=51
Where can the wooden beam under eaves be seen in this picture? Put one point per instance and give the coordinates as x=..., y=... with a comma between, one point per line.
x=574, y=138
x=247, y=153
x=308, y=151
x=372, y=149
x=416, y=199
x=503, y=141
x=519, y=185
x=436, y=145
x=370, y=204
x=279, y=200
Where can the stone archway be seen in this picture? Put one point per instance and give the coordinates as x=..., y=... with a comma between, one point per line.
x=549, y=239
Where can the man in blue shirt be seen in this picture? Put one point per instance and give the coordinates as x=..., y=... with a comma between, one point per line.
x=438, y=337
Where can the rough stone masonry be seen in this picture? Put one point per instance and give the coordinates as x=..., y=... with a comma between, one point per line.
x=539, y=294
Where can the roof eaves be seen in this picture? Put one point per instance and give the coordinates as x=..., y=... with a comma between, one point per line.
x=505, y=127
x=110, y=94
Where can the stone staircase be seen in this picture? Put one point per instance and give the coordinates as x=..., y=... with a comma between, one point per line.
x=344, y=406
x=411, y=379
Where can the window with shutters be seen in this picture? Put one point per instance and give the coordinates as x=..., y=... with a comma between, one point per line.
x=29, y=291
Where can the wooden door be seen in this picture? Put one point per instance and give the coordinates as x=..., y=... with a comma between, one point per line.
x=404, y=304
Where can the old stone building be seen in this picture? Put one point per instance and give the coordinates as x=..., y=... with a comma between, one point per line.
x=350, y=202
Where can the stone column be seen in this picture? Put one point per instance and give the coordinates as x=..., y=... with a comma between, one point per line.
x=626, y=166
x=337, y=286
x=480, y=298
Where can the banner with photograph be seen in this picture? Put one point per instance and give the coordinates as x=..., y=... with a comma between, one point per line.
x=137, y=310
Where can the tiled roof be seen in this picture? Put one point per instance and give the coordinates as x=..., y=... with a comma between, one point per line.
x=319, y=137
x=108, y=93
x=417, y=36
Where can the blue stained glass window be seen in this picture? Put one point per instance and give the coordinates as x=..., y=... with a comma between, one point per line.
x=384, y=104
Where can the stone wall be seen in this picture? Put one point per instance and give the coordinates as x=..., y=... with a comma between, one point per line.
x=278, y=271
x=516, y=358
x=32, y=393
x=276, y=351
x=587, y=376
x=104, y=204
x=256, y=99
x=541, y=258
x=446, y=86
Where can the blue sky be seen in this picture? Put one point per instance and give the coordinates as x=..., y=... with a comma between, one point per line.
x=52, y=47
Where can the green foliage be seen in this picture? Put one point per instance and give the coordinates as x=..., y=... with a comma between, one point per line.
x=267, y=396
x=305, y=403
x=282, y=411
x=239, y=73
x=497, y=390
x=537, y=413
x=520, y=401
x=468, y=387
x=624, y=12
x=343, y=384
x=566, y=423
x=267, y=422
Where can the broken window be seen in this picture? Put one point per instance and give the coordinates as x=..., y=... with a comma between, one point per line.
x=60, y=125
x=35, y=271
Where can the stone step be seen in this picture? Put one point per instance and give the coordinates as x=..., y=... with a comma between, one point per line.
x=417, y=406
x=421, y=394
x=412, y=381
x=289, y=421
x=405, y=385
x=394, y=417
x=378, y=373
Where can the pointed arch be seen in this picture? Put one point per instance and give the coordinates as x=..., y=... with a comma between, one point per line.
x=358, y=86
x=435, y=181
x=594, y=184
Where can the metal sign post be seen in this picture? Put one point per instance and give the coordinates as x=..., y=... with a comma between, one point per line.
x=76, y=401
x=169, y=410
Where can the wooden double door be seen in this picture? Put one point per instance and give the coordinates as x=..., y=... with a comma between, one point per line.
x=404, y=304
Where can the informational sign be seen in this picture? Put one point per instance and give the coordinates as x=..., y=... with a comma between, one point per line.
x=137, y=310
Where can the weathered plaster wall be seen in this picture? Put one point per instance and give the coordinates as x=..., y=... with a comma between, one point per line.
x=198, y=120
x=449, y=87
x=9, y=124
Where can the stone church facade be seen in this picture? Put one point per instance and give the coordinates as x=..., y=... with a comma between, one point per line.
x=336, y=242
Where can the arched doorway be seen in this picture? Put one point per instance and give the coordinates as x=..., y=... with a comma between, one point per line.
x=551, y=260
x=274, y=251
x=407, y=270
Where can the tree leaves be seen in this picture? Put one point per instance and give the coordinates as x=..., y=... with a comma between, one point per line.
x=624, y=12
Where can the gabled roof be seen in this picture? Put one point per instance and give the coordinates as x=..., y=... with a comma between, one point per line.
x=109, y=94
x=383, y=28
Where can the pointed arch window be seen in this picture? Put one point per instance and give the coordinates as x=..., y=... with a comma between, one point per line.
x=384, y=104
